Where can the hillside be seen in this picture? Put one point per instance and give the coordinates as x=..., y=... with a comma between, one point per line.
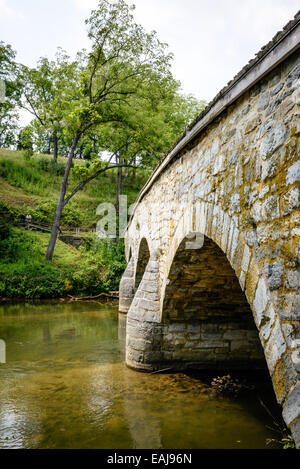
x=33, y=186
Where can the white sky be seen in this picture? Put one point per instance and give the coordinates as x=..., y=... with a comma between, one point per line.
x=211, y=39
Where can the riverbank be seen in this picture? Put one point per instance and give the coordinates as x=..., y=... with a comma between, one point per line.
x=32, y=186
x=94, y=268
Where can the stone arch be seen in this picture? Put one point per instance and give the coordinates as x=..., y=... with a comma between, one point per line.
x=143, y=257
x=278, y=338
x=206, y=314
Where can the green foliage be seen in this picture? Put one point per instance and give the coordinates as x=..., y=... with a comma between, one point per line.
x=24, y=177
x=44, y=213
x=25, y=141
x=285, y=442
x=28, y=154
x=24, y=272
x=53, y=167
x=101, y=267
x=8, y=213
x=49, y=90
x=38, y=178
x=288, y=442
x=5, y=230
x=11, y=87
x=71, y=216
x=31, y=281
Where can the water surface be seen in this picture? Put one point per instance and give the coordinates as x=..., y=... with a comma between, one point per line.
x=65, y=385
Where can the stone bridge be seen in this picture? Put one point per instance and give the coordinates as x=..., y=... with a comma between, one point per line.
x=212, y=280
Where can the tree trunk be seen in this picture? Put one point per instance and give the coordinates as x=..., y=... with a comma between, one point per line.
x=119, y=184
x=55, y=147
x=134, y=170
x=60, y=203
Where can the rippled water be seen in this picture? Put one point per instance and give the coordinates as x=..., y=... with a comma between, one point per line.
x=65, y=385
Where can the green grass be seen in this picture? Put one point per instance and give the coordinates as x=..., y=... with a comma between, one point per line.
x=33, y=185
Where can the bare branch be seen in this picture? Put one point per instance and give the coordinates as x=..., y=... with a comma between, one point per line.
x=32, y=110
x=94, y=176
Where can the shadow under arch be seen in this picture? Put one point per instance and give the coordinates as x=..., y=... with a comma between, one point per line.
x=206, y=313
x=142, y=261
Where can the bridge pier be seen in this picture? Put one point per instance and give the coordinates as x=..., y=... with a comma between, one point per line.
x=144, y=331
x=126, y=289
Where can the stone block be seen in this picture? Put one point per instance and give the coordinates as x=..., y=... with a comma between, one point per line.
x=263, y=102
x=153, y=357
x=293, y=76
x=151, y=316
x=274, y=274
x=149, y=286
x=260, y=302
x=212, y=344
x=284, y=378
x=246, y=259
x=177, y=327
x=193, y=328
x=252, y=125
x=211, y=335
x=134, y=356
x=276, y=89
x=293, y=173
x=252, y=280
x=292, y=279
x=295, y=428
x=270, y=208
x=291, y=410
x=148, y=305
x=268, y=321
x=270, y=168
x=275, y=347
x=272, y=141
x=290, y=201
x=236, y=335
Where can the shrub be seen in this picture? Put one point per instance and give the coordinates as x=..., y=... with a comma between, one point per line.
x=44, y=212
x=31, y=281
x=101, y=267
x=71, y=215
x=9, y=214
x=28, y=153
x=5, y=230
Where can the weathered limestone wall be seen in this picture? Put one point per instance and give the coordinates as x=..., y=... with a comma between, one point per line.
x=237, y=183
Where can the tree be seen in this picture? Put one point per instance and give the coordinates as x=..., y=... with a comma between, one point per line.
x=10, y=91
x=25, y=140
x=122, y=57
x=148, y=128
x=44, y=96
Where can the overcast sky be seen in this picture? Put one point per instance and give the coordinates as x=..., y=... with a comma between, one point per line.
x=211, y=39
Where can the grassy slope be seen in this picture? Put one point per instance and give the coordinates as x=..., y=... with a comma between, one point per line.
x=24, y=185
x=24, y=272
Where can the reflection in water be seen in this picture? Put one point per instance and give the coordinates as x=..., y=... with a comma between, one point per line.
x=65, y=385
x=2, y=351
x=122, y=334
